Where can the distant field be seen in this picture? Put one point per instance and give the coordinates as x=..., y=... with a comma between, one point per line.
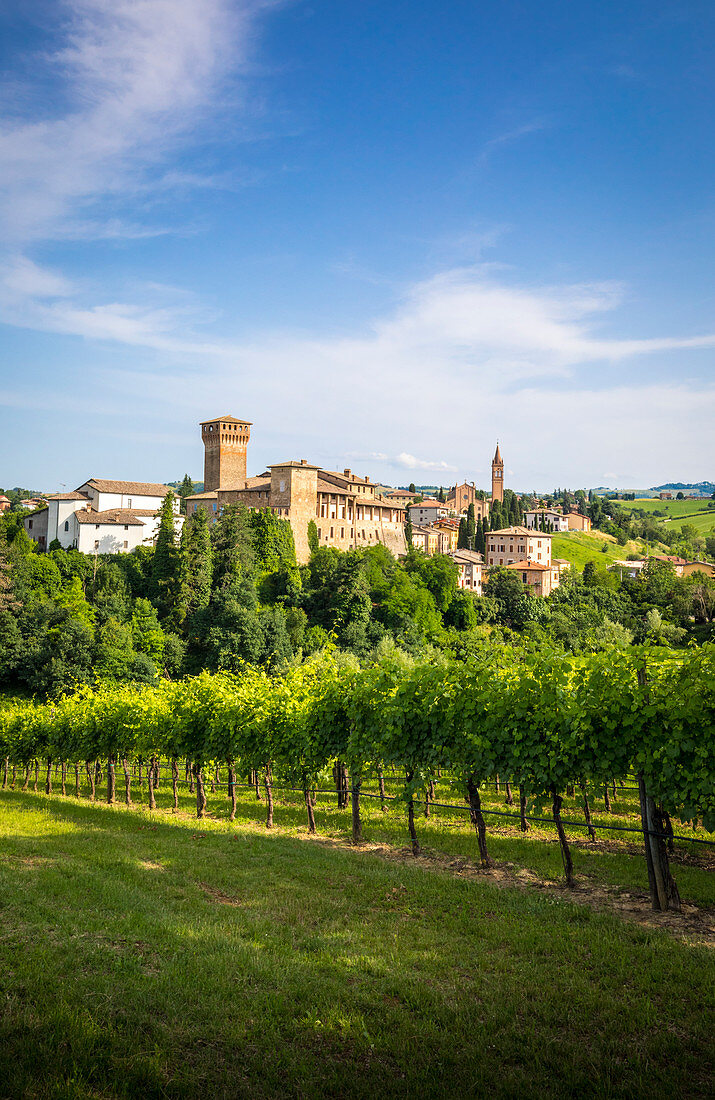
x=672, y=508
x=578, y=548
x=677, y=512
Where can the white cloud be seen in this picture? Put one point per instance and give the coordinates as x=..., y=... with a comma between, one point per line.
x=409, y=462
x=135, y=77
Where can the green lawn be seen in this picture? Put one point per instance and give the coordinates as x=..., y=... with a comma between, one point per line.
x=154, y=956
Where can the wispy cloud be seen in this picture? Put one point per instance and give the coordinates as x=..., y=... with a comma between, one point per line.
x=409, y=462
x=134, y=77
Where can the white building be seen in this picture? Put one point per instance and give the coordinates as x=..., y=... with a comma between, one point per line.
x=428, y=511
x=555, y=521
x=470, y=564
x=102, y=517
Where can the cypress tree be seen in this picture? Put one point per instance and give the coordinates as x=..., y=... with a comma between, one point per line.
x=185, y=490
x=164, y=566
x=471, y=526
x=196, y=566
x=480, y=539
x=408, y=532
x=462, y=538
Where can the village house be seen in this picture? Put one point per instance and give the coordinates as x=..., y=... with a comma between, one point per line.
x=348, y=510
x=552, y=519
x=101, y=517
x=427, y=511
x=577, y=522
x=528, y=553
x=5, y=503
x=470, y=565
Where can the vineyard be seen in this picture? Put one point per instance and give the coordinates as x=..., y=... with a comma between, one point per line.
x=636, y=725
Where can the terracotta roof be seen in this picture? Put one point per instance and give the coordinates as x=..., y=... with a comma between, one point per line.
x=533, y=534
x=233, y=419
x=67, y=496
x=122, y=517
x=429, y=502
x=468, y=555
x=534, y=566
x=136, y=488
x=209, y=494
x=293, y=462
x=3, y=498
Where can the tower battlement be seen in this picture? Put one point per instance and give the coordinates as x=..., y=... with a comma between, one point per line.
x=225, y=441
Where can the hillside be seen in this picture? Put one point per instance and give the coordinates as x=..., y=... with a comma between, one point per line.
x=699, y=513
x=578, y=548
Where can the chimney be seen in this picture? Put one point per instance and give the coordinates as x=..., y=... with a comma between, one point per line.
x=304, y=462
x=367, y=479
x=347, y=473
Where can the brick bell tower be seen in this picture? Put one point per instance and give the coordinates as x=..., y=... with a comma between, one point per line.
x=225, y=445
x=497, y=476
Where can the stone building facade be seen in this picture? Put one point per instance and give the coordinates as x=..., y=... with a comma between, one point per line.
x=225, y=451
x=461, y=496
x=348, y=511
x=528, y=553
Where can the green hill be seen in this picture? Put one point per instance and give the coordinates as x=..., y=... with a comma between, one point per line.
x=578, y=548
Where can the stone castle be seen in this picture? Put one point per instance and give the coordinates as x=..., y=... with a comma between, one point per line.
x=348, y=511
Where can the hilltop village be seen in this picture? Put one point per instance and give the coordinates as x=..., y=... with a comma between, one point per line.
x=336, y=508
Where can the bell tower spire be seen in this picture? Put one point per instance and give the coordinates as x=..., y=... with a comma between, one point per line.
x=497, y=476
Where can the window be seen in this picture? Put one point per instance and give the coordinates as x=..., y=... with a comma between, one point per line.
x=318, y=532
x=342, y=532
x=282, y=486
x=96, y=526
x=96, y=544
x=126, y=544
x=332, y=529
x=29, y=524
x=67, y=525
x=129, y=502
x=126, y=526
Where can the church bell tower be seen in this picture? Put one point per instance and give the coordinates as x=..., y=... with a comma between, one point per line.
x=497, y=477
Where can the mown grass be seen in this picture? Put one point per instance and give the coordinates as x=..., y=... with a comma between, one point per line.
x=154, y=956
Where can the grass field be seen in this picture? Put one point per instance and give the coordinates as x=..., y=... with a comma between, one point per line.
x=157, y=956
x=578, y=548
x=677, y=512
x=673, y=509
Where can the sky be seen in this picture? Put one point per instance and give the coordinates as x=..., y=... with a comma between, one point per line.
x=387, y=232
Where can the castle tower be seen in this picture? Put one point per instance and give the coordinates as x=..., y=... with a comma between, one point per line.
x=225, y=444
x=497, y=477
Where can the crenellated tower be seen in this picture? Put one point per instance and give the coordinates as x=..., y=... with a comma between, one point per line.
x=497, y=476
x=225, y=447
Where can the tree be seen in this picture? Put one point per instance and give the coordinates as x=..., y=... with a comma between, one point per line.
x=462, y=536
x=412, y=488
x=440, y=496
x=185, y=490
x=164, y=569
x=680, y=496
x=408, y=532
x=471, y=527
x=147, y=635
x=313, y=542
x=196, y=566
x=232, y=541
x=8, y=601
x=480, y=538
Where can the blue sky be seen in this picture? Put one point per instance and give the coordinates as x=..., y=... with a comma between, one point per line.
x=386, y=233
